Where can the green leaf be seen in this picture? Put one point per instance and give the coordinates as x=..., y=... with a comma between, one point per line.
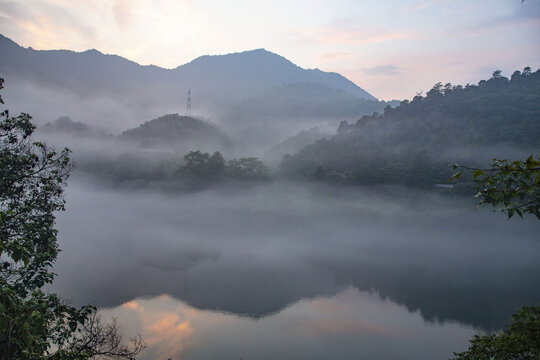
x=477, y=173
x=456, y=176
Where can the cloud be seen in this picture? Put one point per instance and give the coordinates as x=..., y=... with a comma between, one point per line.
x=122, y=13
x=528, y=12
x=358, y=36
x=384, y=70
x=336, y=55
x=417, y=5
x=47, y=23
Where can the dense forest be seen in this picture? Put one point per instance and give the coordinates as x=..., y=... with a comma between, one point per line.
x=413, y=143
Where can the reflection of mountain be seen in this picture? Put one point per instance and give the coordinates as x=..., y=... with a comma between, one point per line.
x=471, y=295
x=256, y=251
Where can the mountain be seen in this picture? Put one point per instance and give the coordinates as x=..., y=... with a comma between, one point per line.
x=293, y=144
x=65, y=125
x=114, y=93
x=91, y=71
x=414, y=143
x=256, y=70
x=237, y=75
x=306, y=100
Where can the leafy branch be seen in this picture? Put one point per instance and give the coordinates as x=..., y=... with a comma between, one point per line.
x=509, y=187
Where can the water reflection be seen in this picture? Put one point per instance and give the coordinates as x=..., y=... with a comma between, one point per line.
x=348, y=325
x=256, y=251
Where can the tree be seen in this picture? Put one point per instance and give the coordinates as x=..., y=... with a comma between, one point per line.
x=35, y=324
x=247, y=168
x=521, y=340
x=513, y=188
x=203, y=164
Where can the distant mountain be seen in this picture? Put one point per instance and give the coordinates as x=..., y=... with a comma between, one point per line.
x=234, y=75
x=256, y=70
x=238, y=91
x=306, y=100
x=293, y=144
x=175, y=131
x=65, y=125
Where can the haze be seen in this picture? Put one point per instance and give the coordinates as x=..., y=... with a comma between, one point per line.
x=271, y=180
x=394, y=49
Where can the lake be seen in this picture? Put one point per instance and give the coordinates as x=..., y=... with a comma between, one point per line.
x=285, y=271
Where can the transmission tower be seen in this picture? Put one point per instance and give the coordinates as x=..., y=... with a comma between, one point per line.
x=188, y=105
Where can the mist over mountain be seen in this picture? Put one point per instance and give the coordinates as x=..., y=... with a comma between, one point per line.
x=251, y=89
x=64, y=125
x=414, y=143
x=295, y=143
x=178, y=133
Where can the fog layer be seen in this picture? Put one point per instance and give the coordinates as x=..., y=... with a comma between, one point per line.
x=253, y=251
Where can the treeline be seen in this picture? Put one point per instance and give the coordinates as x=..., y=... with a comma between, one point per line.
x=413, y=143
x=195, y=170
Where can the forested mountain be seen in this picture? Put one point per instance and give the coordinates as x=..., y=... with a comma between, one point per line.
x=174, y=131
x=294, y=143
x=413, y=143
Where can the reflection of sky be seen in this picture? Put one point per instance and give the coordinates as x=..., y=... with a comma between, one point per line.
x=349, y=325
x=254, y=251
x=391, y=48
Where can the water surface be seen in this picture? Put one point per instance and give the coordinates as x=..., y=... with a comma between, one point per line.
x=288, y=271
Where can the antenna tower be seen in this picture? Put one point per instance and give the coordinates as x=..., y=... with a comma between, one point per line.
x=188, y=105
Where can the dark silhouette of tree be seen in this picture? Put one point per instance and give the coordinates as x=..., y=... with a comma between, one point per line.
x=521, y=340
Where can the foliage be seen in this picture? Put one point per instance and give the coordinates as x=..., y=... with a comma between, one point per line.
x=513, y=188
x=413, y=143
x=207, y=168
x=203, y=164
x=521, y=340
x=34, y=324
x=247, y=168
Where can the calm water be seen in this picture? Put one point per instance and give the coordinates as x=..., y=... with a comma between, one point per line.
x=281, y=271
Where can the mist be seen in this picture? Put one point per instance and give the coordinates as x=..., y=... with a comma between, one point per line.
x=254, y=251
x=291, y=215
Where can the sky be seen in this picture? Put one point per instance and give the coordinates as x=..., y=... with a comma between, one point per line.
x=392, y=48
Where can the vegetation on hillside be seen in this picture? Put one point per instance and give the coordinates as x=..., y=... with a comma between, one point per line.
x=414, y=143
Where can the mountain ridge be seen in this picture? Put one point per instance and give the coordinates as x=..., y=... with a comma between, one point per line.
x=250, y=66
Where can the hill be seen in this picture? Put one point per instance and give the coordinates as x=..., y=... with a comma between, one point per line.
x=117, y=92
x=178, y=132
x=414, y=143
x=64, y=125
x=272, y=115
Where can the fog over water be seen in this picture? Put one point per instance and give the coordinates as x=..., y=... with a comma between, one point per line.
x=425, y=262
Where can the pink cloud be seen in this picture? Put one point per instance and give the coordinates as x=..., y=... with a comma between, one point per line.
x=417, y=5
x=122, y=13
x=358, y=36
